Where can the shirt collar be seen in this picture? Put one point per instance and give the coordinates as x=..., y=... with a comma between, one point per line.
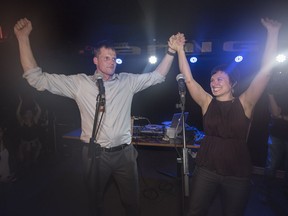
x=115, y=76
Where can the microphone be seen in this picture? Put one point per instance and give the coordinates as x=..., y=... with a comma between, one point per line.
x=100, y=84
x=181, y=86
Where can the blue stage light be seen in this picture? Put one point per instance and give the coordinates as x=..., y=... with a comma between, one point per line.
x=119, y=61
x=238, y=58
x=193, y=59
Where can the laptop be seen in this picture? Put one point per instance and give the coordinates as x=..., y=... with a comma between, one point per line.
x=175, y=127
x=177, y=120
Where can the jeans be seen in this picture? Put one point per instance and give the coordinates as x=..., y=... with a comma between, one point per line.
x=234, y=193
x=277, y=151
x=122, y=166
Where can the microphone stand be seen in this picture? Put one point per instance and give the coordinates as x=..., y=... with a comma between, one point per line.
x=94, y=149
x=185, y=158
x=185, y=164
x=100, y=102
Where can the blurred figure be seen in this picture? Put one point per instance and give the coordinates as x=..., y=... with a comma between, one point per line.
x=30, y=145
x=5, y=175
x=278, y=132
x=45, y=135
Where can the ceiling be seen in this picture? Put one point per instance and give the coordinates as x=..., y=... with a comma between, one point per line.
x=141, y=21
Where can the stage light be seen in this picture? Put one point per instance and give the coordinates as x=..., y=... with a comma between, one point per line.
x=281, y=58
x=193, y=59
x=119, y=61
x=152, y=59
x=238, y=58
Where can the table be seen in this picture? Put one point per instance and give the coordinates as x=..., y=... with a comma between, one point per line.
x=155, y=141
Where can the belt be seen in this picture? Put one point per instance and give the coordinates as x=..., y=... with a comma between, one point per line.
x=114, y=149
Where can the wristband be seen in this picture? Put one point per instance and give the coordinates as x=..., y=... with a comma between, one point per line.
x=171, y=53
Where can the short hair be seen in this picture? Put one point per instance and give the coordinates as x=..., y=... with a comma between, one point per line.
x=230, y=70
x=108, y=44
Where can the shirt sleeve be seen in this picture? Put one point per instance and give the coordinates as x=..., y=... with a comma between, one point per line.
x=58, y=84
x=145, y=80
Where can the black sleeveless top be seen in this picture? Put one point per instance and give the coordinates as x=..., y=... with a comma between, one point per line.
x=224, y=148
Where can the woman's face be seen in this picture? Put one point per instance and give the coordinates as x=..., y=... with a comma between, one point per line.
x=220, y=84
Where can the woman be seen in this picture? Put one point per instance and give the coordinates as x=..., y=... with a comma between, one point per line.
x=223, y=161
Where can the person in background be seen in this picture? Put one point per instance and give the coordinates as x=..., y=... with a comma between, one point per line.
x=223, y=164
x=30, y=145
x=5, y=174
x=45, y=133
x=117, y=156
x=278, y=132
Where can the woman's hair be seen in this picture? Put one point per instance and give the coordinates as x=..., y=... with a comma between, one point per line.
x=230, y=70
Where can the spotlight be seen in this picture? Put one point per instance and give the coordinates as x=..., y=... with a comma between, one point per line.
x=119, y=61
x=152, y=59
x=238, y=58
x=193, y=59
x=281, y=58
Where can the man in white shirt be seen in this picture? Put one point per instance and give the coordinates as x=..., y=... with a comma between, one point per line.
x=117, y=155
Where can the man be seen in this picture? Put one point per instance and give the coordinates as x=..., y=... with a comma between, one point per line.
x=117, y=155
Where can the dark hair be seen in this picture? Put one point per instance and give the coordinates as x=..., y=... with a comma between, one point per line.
x=108, y=44
x=230, y=70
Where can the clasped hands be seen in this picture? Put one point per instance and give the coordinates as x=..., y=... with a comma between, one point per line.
x=176, y=42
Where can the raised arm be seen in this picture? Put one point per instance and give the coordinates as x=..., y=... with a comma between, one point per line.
x=22, y=30
x=250, y=97
x=199, y=95
x=164, y=66
x=275, y=109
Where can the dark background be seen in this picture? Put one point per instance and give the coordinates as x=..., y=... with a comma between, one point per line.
x=62, y=29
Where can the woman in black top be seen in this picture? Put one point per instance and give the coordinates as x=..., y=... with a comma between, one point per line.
x=223, y=161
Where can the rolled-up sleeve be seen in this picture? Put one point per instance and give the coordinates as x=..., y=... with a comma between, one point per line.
x=55, y=83
x=143, y=81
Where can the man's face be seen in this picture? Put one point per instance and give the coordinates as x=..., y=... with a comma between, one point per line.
x=220, y=84
x=106, y=62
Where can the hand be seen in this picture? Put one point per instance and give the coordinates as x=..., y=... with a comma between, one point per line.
x=177, y=42
x=271, y=25
x=23, y=28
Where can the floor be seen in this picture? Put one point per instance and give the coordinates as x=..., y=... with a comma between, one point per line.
x=54, y=187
